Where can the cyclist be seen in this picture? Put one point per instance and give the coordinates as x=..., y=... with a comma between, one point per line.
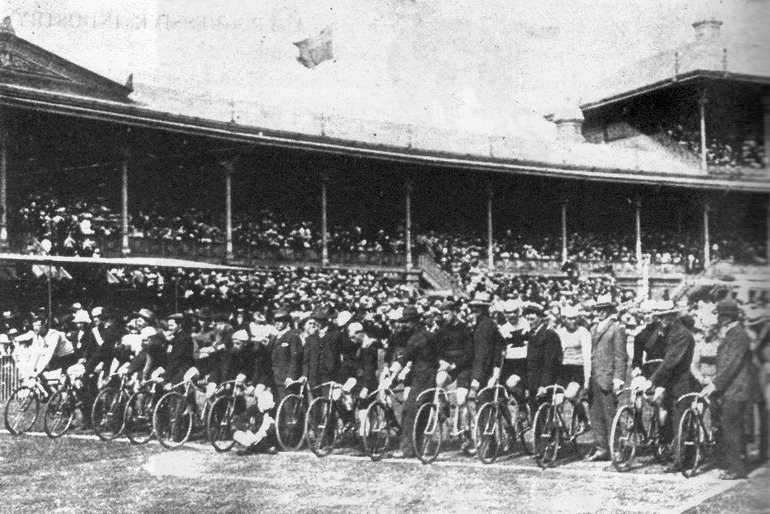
x=576, y=364
x=285, y=354
x=318, y=358
x=50, y=349
x=544, y=354
x=181, y=348
x=453, y=342
x=648, y=343
x=256, y=427
x=514, y=332
x=366, y=365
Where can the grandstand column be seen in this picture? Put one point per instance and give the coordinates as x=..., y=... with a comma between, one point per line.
x=408, y=223
x=702, y=101
x=490, y=243
x=124, y=247
x=706, y=242
x=564, y=255
x=228, y=165
x=639, y=235
x=324, y=228
x=766, y=119
x=3, y=180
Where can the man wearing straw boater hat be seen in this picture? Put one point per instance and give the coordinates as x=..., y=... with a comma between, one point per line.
x=673, y=376
x=609, y=358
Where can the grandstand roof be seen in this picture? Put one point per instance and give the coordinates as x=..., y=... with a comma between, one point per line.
x=516, y=142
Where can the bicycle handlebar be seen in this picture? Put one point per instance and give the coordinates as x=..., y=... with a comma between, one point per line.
x=555, y=388
x=696, y=398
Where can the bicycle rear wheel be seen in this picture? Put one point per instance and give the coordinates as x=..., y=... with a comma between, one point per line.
x=376, y=431
x=290, y=422
x=690, y=443
x=546, y=436
x=137, y=417
x=172, y=420
x=21, y=410
x=321, y=427
x=427, y=433
x=219, y=423
x=107, y=413
x=60, y=413
x=623, y=438
x=489, y=437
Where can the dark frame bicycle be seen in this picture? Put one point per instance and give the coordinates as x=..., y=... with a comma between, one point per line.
x=495, y=427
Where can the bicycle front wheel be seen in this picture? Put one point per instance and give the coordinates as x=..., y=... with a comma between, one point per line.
x=546, y=436
x=137, y=417
x=290, y=422
x=690, y=443
x=321, y=427
x=172, y=420
x=59, y=413
x=623, y=438
x=376, y=431
x=107, y=413
x=219, y=423
x=427, y=433
x=21, y=410
x=489, y=439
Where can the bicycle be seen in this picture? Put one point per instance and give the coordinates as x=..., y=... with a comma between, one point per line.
x=137, y=416
x=176, y=413
x=380, y=423
x=230, y=401
x=323, y=416
x=107, y=412
x=696, y=439
x=429, y=421
x=550, y=429
x=290, y=416
x=495, y=427
x=629, y=433
x=23, y=405
x=63, y=404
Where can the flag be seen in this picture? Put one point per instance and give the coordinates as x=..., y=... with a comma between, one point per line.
x=315, y=50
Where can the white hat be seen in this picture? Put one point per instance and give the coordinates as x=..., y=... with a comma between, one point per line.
x=81, y=316
x=512, y=305
x=355, y=327
x=240, y=335
x=343, y=317
x=570, y=312
x=395, y=314
x=148, y=332
x=97, y=311
x=664, y=307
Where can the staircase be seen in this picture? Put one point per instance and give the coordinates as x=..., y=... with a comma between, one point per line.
x=436, y=277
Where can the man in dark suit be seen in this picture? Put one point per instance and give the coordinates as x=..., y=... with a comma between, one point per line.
x=285, y=353
x=181, y=348
x=673, y=377
x=609, y=360
x=544, y=354
x=98, y=347
x=732, y=388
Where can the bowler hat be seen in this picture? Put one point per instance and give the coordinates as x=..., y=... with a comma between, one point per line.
x=727, y=307
x=410, y=314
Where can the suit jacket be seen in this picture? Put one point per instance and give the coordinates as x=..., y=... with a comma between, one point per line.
x=609, y=356
x=285, y=354
x=94, y=352
x=674, y=372
x=487, y=348
x=648, y=345
x=181, y=355
x=318, y=361
x=735, y=378
x=544, y=356
x=420, y=350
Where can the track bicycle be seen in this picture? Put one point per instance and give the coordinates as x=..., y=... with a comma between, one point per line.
x=137, y=416
x=63, y=405
x=324, y=424
x=291, y=414
x=551, y=428
x=435, y=416
x=177, y=413
x=107, y=412
x=229, y=402
x=500, y=422
x=695, y=437
x=380, y=422
x=23, y=405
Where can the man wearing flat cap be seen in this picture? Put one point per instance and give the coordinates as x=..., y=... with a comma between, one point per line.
x=609, y=358
x=544, y=354
x=732, y=388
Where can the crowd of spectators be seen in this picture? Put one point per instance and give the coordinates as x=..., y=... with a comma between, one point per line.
x=77, y=227
x=737, y=156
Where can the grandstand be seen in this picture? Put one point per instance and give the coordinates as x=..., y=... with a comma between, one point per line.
x=92, y=167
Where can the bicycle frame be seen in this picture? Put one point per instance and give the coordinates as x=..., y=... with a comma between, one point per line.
x=694, y=436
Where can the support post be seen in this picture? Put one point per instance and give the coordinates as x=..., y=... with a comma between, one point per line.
x=490, y=241
x=706, y=241
x=228, y=165
x=767, y=243
x=638, y=211
x=124, y=246
x=408, y=223
x=702, y=101
x=564, y=253
x=324, y=227
x=766, y=119
x=3, y=180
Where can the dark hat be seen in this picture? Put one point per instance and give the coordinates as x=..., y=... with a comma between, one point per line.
x=322, y=313
x=410, y=314
x=532, y=308
x=727, y=307
x=448, y=305
x=604, y=302
x=204, y=313
x=481, y=299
